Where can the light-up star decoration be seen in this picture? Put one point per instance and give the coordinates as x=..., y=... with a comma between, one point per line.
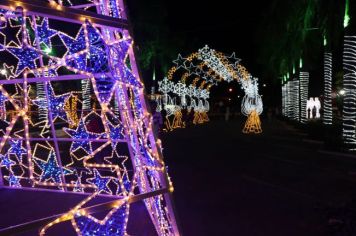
x=94, y=59
x=7, y=72
x=45, y=33
x=234, y=60
x=180, y=62
x=6, y=161
x=97, y=58
x=114, y=226
x=199, y=71
x=96, y=66
x=3, y=100
x=77, y=184
x=12, y=33
x=26, y=58
x=76, y=45
x=50, y=169
x=119, y=53
x=55, y=103
x=17, y=149
x=14, y=181
x=116, y=132
x=82, y=137
x=105, y=86
x=100, y=182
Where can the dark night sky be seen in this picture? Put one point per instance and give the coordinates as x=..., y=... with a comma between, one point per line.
x=224, y=25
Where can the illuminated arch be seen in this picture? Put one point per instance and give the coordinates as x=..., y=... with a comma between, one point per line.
x=194, y=76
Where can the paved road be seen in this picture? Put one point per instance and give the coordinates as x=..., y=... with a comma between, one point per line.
x=228, y=183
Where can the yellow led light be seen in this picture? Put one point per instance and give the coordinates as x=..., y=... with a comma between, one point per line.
x=253, y=124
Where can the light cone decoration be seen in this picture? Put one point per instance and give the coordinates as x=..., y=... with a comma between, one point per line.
x=73, y=114
x=253, y=124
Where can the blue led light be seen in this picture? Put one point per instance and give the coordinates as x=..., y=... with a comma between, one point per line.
x=26, y=56
x=17, y=149
x=115, y=226
x=84, y=136
x=100, y=182
x=6, y=161
x=50, y=169
x=55, y=103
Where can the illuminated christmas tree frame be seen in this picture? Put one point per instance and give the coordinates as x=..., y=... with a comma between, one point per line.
x=90, y=136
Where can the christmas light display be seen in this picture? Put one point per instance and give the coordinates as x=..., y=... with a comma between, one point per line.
x=181, y=92
x=313, y=108
x=289, y=100
x=197, y=73
x=304, y=87
x=284, y=100
x=327, y=118
x=294, y=101
x=253, y=124
x=349, y=108
x=78, y=137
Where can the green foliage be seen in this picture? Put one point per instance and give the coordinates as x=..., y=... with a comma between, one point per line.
x=295, y=29
x=157, y=43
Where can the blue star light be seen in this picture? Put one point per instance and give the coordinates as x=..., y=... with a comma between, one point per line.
x=55, y=103
x=105, y=85
x=26, y=58
x=116, y=132
x=6, y=161
x=114, y=226
x=14, y=181
x=45, y=33
x=3, y=99
x=51, y=169
x=95, y=60
x=74, y=46
x=17, y=149
x=84, y=136
x=100, y=182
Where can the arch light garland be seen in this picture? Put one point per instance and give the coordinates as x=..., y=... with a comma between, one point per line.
x=52, y=138
x=208, y=67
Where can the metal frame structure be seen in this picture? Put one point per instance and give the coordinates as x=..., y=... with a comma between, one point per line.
x=106, y=43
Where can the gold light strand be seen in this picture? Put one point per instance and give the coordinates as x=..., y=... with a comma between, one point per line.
x=70, y=108
x=184, y=77
x=171, y=72
x=253, y=124
x=177, y=121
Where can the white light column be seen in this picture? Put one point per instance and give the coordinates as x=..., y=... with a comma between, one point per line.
x=289, y=108
x=284, y=97
x=327, y=118
x=295, y=100
x=349, y=108
x=304, y=92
